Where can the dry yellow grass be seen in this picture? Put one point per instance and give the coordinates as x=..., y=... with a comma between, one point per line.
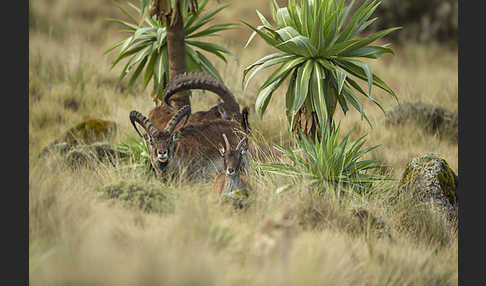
x=78, y=238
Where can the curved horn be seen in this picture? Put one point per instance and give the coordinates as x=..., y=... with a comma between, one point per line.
x=245, y=124
x=204, y=81
x=185, y=111
x=228, y=147
x=138, y=117
x=243, y=141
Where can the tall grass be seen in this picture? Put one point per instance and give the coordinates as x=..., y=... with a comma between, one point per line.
x=78, y=235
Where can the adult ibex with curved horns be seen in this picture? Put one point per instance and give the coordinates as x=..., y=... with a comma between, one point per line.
x=228, y=109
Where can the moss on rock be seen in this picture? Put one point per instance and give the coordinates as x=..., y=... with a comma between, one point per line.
x=89, y=131
x=95, y=132
x=430, y=178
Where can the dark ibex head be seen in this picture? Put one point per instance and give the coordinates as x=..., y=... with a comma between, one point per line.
x=233, y=157
x=161, y=141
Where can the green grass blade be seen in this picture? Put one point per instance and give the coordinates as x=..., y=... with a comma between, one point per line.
x=373, y=52
x=304, y=73
x=319, y=97
x=262, y=61
x=129, y=25
x=204, y=19
x=289, y=99
x=124, y=11
x=264, y=20
x=264, y=94
x=270, y=40
x=212, y=30
x=161, y=69
x=208, y=66
x=284, y=68
x=149, y=71
x=299, y=45
x=363, y=42
x=358, y=72
x=356, y=86
x=212, y=48
x=270, y=62
x=136, y=73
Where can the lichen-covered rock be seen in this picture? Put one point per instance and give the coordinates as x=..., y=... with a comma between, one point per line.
x=85, y=133
x=431, y=179
x=433, y=119
x=90, y=131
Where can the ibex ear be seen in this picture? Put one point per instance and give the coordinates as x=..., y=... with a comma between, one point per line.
x=243, y=150
x=221, y=111
x=221, y=150
x=175, y=137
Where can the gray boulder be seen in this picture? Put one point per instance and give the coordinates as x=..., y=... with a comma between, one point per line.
x=430, y=179
x=85, y=143
x=434, y=119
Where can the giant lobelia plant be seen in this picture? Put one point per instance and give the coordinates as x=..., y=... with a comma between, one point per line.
x=318, y=51
x=165, y=41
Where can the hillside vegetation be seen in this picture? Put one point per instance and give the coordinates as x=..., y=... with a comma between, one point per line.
x=118, y=225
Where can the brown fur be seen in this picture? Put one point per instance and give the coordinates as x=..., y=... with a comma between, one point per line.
x=204, y=139
x=220, y=180
x=196, y=141
x=233, y=158
x=160, y=115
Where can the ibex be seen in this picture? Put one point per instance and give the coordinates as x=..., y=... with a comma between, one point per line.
x=231, y=183
x=228, y=109
x=193, y=145
x=197, y=141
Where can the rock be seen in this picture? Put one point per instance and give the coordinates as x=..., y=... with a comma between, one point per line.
x=431, y=179
x=433, y=119
x=90, y=131
x=85, y=133
x=98, y=151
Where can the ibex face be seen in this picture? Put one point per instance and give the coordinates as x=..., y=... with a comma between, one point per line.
x=233, y=157
x=230, y=184
x=161, y=142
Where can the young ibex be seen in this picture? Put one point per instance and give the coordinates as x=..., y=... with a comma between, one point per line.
x=231, y=183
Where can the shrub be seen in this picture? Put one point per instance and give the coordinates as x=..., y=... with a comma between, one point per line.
x=330, y=162
x=147, y=196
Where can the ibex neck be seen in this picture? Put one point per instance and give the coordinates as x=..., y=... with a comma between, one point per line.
x=233, y=183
